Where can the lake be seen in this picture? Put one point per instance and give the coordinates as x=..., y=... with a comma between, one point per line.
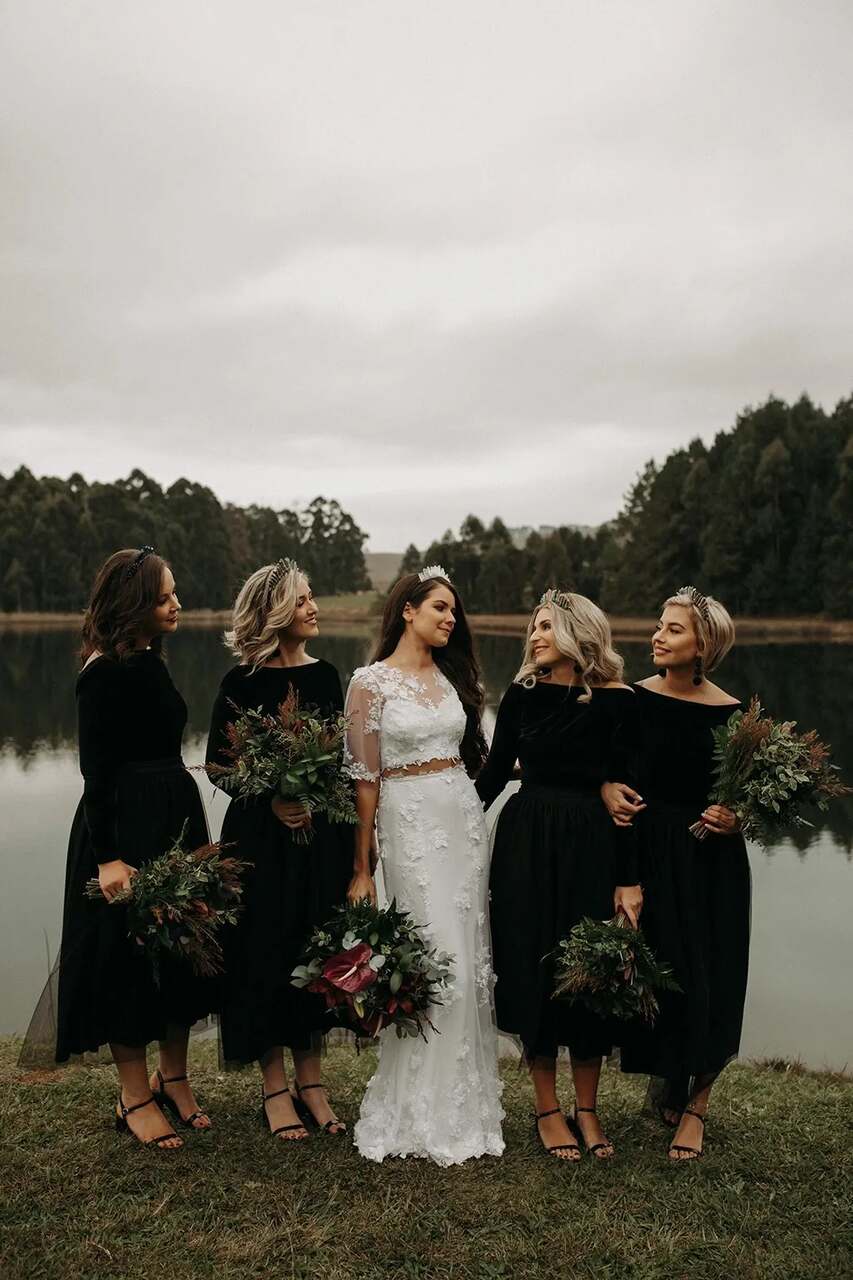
x=800, y=1004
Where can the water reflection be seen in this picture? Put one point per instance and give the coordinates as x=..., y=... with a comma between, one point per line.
x=806, y=683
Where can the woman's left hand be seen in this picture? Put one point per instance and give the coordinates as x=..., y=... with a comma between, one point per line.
x=628, y=898
x=720, y=820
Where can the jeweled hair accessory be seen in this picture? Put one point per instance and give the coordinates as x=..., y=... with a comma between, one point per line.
x=562, y=599
x=433, y=571
x=698, y=601
x=133, y=568
x=279, y=570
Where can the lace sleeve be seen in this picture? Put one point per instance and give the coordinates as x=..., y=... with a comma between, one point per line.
x=362, y=756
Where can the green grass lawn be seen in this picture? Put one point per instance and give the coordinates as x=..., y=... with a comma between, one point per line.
x=771, y=1198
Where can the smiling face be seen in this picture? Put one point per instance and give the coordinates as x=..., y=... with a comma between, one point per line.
x=304, y=623
x=163, y=619
x=674, y=643
x=433, y=620
x=543, y=646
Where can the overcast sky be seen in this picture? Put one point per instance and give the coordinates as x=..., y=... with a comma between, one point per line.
x=426, y=258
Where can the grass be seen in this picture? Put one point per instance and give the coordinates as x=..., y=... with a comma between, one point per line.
x=772, y=1198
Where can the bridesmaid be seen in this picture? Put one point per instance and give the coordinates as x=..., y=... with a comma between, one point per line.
x=556, y=857
x=697, y=892
x=137, y=797
x=292, y=887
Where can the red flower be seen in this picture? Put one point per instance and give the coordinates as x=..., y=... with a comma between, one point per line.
x=350, y=970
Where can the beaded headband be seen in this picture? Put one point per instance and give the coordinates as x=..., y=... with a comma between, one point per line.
x=433, y=571
x=280, y=570
x=562, y=599
x=133, y=568
x=699, y=602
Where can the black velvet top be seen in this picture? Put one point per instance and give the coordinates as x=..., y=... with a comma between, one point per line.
x=127, y=711
x=317, y=685
x=558, y=740
x=665, y=750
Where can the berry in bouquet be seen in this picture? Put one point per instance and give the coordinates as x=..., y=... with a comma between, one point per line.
x=609, y=966
x=767, y=773
x=374, y=968
x=177, y=903
x=294, y=755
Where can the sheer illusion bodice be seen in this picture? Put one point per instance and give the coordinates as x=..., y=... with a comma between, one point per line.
x=401, y=719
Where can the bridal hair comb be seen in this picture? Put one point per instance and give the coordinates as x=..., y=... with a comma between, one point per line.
x=699, y=602
x=133, y=568
x=562, y=599
x=433, y=571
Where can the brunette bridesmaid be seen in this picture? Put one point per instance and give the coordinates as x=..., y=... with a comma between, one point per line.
x=137, y=799
x=292, y=887
x=697, y=893
x=556, y=855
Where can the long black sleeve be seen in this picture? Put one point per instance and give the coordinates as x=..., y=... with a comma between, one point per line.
x=622, y=766
x=101, y=751
x=503, y=753
x=223, y=714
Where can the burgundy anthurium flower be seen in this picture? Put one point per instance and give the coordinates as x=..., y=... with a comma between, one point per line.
x=350, y=970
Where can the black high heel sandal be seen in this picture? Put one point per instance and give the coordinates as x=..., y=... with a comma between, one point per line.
x=305, y=1112
x=123, y=1127
x=573, y=1124
x=282, y=1128
x=558, y=1146
x=162, y=1098
x=695, y=1153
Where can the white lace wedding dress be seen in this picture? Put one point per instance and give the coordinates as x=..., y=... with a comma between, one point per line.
x=439, y=1099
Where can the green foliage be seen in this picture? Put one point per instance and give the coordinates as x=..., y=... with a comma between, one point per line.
x=608, y=966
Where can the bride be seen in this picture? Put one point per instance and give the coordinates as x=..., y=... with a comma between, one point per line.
x=414, y=738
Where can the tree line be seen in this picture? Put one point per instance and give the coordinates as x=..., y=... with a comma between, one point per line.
x=55, y=533
x=762, y=519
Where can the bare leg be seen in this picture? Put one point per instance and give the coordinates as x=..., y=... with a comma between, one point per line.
x=586, y=1073
x=691, y=1131
x=280, y=1110
x=553, y=1130
x=173, y=1062
x=149, y=1122
x=306, y=1067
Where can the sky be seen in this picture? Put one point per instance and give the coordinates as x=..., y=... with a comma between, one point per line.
x=428, y=259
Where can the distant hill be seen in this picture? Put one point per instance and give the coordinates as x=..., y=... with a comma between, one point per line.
x=382, y=568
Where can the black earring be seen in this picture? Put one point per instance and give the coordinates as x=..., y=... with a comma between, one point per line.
x=697, y=670
x=578, y=668
x=662, y=673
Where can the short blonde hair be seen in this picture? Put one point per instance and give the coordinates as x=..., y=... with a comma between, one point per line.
x=265, y=606
x=582, y=633
x=712, y=624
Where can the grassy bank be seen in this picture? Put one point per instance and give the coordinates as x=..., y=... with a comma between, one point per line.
x=771, y=1199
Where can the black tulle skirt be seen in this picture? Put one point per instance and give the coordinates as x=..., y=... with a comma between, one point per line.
x=290, y=890
x=103, y=986
x=696, y=915
x=552, y=864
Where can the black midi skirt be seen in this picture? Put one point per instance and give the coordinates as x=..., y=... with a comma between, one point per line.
x=290, y=890
x=106, y=992
x=696, y=915
x=552, y=864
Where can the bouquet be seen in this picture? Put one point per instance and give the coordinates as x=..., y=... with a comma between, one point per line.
x=177, y=903
x=294, y=755
x=609, y=967
x=373, y=967
x=766, y=773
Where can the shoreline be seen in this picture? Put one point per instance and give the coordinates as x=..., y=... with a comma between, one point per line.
x=749, y=630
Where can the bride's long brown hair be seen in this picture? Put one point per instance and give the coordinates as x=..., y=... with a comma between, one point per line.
x=457, y=660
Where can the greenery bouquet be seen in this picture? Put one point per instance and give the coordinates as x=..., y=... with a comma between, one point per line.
x=766, y=773
x=375, y=969
x=608, y=966
x=295, y=755
x=178, y=902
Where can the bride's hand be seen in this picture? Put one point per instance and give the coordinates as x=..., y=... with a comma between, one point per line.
x=361, y=887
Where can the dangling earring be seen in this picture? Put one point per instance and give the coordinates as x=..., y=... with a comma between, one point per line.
x=662, y=673
x=697, y=669
x=578, y=668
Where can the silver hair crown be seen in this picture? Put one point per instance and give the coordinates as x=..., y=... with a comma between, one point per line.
x=698, y=601
x=562, y=599
x=433, y=571
x=279, y=570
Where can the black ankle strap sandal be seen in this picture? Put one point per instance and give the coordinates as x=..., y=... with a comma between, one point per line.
x=123, y=1127
x=333, y=1127
x=694, y=1153
x=282, y=1128
x=558, y=1146
x=161, y=1096
x=606, y=1145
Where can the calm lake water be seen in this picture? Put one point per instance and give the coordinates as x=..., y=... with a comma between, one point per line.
x=800, y=1004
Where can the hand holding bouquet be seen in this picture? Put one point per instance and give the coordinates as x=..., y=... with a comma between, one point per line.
x=373, y=966
x=178, y=902
x=608, y=966
x=766, y=773
x=294, y=755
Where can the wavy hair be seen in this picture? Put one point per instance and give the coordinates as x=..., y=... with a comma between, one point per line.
x=715, y=633
x=582, y=633
x=457, y=660
x=265, y=606
x=121, y=600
